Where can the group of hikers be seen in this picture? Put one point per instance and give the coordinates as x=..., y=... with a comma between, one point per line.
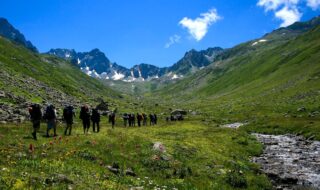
x=50, y=116
x=86, y=115
x=142, y=119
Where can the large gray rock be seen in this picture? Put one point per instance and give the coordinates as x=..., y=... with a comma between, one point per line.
x=2, y=94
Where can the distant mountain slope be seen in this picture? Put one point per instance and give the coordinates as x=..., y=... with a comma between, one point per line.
x=194, y=60
x=9, y=32
x=272, y=77
x=96, y=64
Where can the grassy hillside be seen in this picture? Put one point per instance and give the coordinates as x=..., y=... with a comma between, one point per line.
x=273, y=85
x=41, y=78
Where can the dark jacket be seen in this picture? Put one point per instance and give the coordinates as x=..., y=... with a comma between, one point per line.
x=84, y=114
x=95, y=117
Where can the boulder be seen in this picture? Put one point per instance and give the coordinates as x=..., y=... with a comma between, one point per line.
x=113, y=170
x=301, y=109
x=130, y=172
x=61, y=178
x=158, y=146
x=103, y=106
x=2, y=94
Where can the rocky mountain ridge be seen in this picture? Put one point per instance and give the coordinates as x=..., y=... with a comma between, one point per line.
x=95, y=64
x=11, y=33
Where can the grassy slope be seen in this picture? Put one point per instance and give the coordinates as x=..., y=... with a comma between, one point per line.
x=54, y=72
x=265, y=86
x=199, y=157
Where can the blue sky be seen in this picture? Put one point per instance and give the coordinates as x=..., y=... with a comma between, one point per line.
x=157, y=32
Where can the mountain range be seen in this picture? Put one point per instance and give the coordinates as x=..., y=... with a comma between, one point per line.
x=95, y=63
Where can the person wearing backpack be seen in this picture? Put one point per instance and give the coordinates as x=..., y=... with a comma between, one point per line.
x=139, y=118
x=68, y=114
x=113, y=119
x=155, y=119
x=151, y=116
x=85, y=117
x=145, y=119
x=51, y=116
x=35, y=116
x=133, y=120
x=125, y=119
x=95, y=118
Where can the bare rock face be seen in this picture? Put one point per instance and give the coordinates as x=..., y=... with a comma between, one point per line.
x=290, y=161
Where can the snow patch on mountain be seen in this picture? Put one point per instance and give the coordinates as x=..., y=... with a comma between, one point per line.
x=175, y=76
x=91, y=73
x=257, y=42
x=117, y=76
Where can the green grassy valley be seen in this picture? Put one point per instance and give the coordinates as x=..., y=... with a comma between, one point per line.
x=197, y=156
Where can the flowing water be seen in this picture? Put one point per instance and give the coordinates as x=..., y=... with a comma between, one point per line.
x=290, y=161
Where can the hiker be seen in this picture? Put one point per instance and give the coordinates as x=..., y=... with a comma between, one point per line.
x=35, y=116
x=109, y=118
x=85, y=117
x=145, y=118
x=167, y=119
x=155, y=119
x=139, y=118
x=68, y=114
x=133, y=120
x=151, y=116
x=129, y=120
x=125, y=119
x=113, y=119
x=95, y=118
x=51, y=116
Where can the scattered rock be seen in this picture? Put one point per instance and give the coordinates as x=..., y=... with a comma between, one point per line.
x=2, y=94
x=103, y=106
x=60, y=178
x=158, y=146
x=136, y=188
x=130, y=172
x=233, y=125
x=301, y=109
x=114, y=168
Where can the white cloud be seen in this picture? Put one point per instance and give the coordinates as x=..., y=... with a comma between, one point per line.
x=276, y=4
x=289, y=16
x=198, y=27
x=314, y=4
x=285, y=10
x=172, y=40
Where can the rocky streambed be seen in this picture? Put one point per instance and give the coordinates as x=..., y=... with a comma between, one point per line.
x=291, y=162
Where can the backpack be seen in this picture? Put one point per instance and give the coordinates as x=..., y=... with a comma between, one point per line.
x=68, y=113
x=35, y=112
x=50, y=114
